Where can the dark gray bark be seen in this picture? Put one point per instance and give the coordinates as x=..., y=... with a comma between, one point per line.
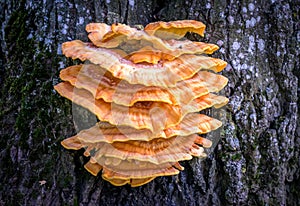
x=256, y=161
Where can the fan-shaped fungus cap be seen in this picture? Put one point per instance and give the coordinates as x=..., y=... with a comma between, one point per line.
x=108, y=175
x=142, y=159
x=146, y=88
x=192, y=123
x=110, y=134
x=99, y=30
x=148, y=115
x=175, y=29
x=103, y=85
x=154, y=116
x=154, y=56
x=165, y=74
x=156, y=151
x=136, y=43
x=131, y=39
x=117, y=34
x=130, y=171
x=138, y=179
x=125, y=169
x=204, y=102
x=132, y=182
x=143, y=47
x=93, y=167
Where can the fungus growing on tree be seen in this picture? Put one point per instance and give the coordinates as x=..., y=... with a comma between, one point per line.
x=146, y=88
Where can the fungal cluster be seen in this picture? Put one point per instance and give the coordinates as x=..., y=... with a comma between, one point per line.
x=146, y=88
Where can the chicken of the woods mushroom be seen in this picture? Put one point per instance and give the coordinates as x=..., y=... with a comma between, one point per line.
x=146, y=88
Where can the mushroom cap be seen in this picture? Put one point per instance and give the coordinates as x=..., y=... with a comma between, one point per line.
x=204, y=102
x=146, y=87
x=154, y=116
x=143, y=159
x=124, y=169
x=156, y=151
x=94, y=168
x=103, y=85
x=106, y=36
x=151, y=55
x=135, y=168
x=130, y=161
x=174, y=29
x=165, y=74
x=131, y=39
x=133, y=173
x=110, y=134
x=199, y=85
x=142, y=115
x=132, y=182
x=99, y=30
x=192, y=123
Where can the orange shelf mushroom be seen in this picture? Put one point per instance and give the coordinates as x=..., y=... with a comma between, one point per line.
x=146, y=87
x=165, y=74
x=111, y=89
x=175, y=29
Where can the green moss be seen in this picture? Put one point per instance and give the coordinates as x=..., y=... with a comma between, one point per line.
x=75, y=202
x=236, y=156
x=30, y=106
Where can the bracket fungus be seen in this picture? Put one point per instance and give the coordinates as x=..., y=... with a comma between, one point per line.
x=146, y=88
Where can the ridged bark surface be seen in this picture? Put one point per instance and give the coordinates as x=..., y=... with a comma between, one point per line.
x=256, y=161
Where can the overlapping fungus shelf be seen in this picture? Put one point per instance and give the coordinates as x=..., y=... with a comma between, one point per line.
x=146, y=88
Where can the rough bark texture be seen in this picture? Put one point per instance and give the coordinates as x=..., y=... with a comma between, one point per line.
x=256, y=161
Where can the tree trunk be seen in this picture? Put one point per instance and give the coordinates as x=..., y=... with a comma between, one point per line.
x=256, y=161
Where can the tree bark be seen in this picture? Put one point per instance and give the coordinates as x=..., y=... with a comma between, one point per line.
x=256, y=161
